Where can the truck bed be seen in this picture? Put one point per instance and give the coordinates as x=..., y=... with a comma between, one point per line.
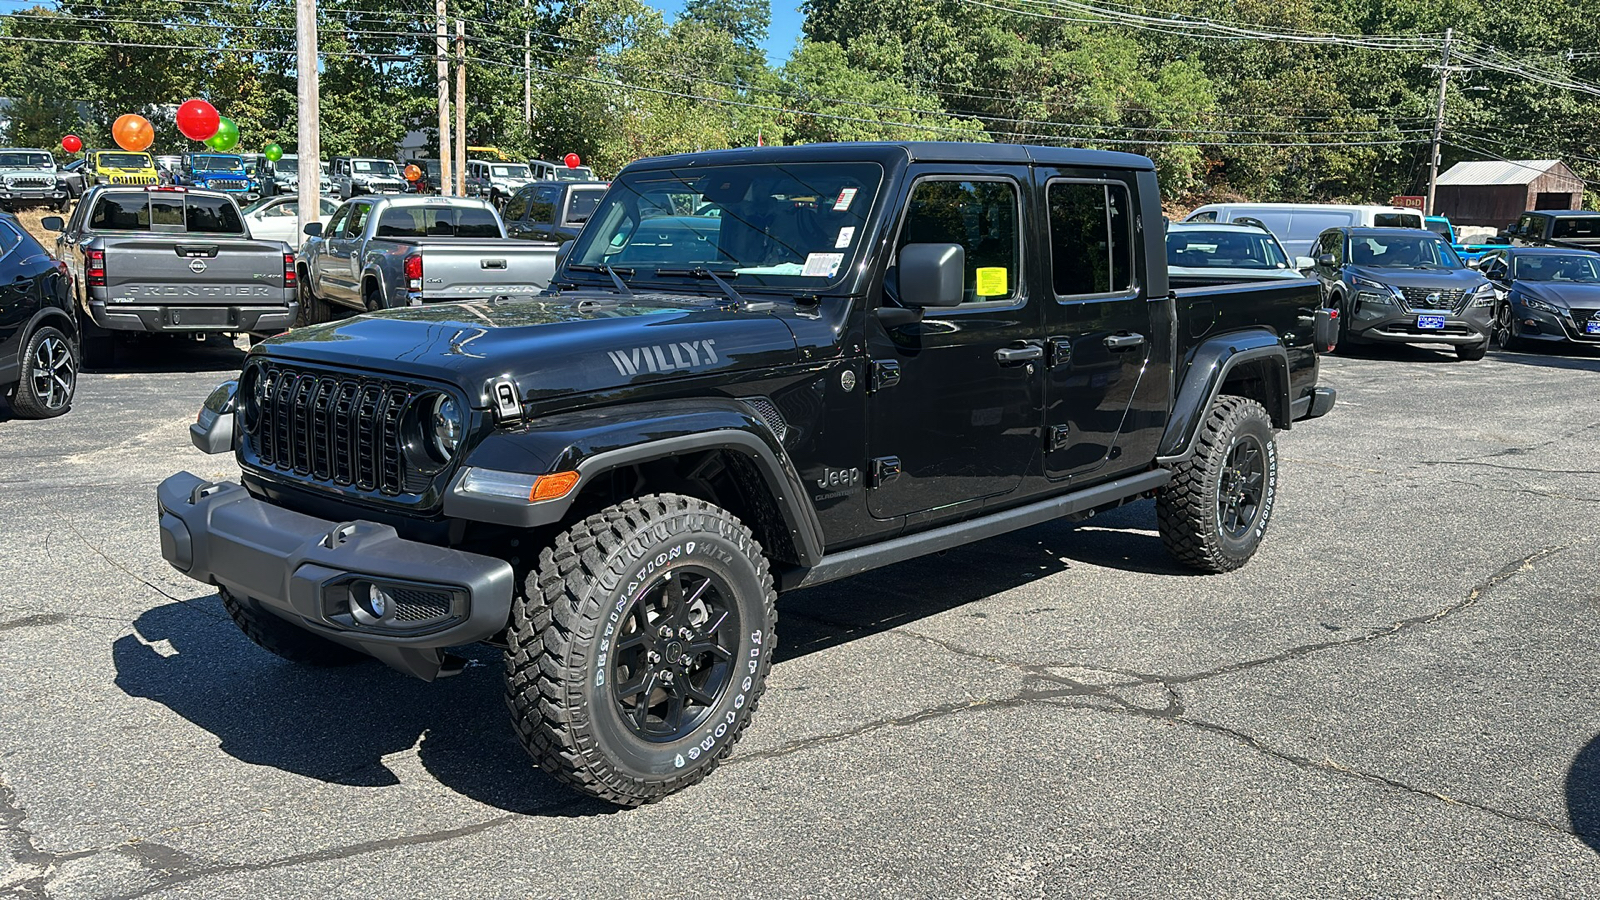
x=182, y=282
x=473, y=268
x=1288, y=308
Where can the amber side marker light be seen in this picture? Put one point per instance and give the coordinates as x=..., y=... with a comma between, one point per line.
x=553, y=487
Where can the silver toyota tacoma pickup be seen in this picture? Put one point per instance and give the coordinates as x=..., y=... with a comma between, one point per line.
x=388, y=252
x=164, y=259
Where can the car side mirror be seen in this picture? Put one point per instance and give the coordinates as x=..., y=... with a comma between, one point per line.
x=1474, y=263
x=1302, y=263
x=932, y=275
x=52, y=223
x=313, y=229
x=562, y=252
x=1326, y=260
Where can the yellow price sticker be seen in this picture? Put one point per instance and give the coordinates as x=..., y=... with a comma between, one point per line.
x=992, y=282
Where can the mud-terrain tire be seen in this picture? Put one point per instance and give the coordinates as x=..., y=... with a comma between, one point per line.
x=49, y=375
x=640, y=647
x=278, y=637
x=1215, y=511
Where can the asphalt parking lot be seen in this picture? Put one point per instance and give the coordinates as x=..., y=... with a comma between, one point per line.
x=1400, y=696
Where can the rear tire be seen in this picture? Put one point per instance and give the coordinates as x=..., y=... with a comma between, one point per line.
x=49, y=375
x=1214, y=513
x=279, y=638
x=640, y=647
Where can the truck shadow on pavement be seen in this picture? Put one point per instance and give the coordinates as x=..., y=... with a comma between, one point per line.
x=343, y=725
x=175, y=354
x=1583, y=794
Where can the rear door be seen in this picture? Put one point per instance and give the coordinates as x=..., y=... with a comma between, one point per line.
x=1097, y=321
x=953, y=420
x=516, y=214
x=543, y=208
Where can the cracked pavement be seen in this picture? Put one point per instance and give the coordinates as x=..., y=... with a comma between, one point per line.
x=1398, y=697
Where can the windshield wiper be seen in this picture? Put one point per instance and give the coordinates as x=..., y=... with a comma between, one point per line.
x=607, y=269
x=703, y=272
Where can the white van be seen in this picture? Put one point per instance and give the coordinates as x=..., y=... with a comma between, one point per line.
x=1297, y=225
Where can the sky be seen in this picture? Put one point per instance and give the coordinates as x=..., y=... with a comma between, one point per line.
x=781, y=37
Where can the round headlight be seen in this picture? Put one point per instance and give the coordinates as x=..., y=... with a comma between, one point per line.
x=445, y=426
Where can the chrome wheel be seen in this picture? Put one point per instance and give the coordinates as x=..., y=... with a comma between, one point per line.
x=52, y=372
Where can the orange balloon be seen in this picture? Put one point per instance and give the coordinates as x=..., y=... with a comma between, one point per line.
x=133, y=133
x=413, y=173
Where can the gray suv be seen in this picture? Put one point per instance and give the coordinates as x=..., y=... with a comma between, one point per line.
x=1403, y=286
x=29, y=178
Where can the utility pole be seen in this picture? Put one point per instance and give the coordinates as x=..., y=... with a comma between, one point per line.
x=308, y=145
x=1438, y=125
x=527, y=71
x=461, y=107
x=441, y=47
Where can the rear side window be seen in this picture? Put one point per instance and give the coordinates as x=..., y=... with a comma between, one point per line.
x=981, y=216
x=437, y=221
x=1209, y=215
x=121, y=212
x=9, y=238
x=1575, y=228
x=212, y=215
x=1091, y=244
x=542, y=208
x=581, y=205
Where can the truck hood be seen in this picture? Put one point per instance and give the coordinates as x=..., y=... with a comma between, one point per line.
x=1431, y=279
x=1561, y=293
x=552, y=345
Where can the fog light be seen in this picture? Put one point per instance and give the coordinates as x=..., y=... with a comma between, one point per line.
x=369, y=603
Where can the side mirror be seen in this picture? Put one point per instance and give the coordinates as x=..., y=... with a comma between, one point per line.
x=562, y=252
x=1302, y=263
x=931, y=275
x=1326, y=260
x=1474, y=263
x=52, y=223
x=313, y=229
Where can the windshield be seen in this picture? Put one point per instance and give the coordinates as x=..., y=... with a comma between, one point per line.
x=373, y=167
x=1224, y=250
x=1440, y=228
x=1575, y=227
x=287, y=165
x=216, y=164
x=124, y=161
x=1397, y=251
x=13, y=160
x=512, y=171
x=1568, y=268
x=791, y=225
x=581, y=173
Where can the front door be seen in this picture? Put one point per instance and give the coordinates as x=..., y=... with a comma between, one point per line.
x=954, y=413
x=1097, y=324
x=342, y=267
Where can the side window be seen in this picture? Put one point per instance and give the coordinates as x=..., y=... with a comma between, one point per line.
x=1526, y=227
x=1091, y=241
x=337, y=222
x=517, y=206
x=357, y=219
x=9, y=239
x=982, y=217
x=542, y=208
x=1209, y=215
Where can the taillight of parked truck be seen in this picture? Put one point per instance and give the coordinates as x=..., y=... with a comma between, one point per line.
x=414, y=272
x=288, y=269
x=94, y=267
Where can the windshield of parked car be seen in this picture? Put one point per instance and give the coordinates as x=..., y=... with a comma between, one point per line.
x=287, y=166
x=1224, y=250
x=1402, y=251
x=373, y=167
x=216, y=164
x=509, y=171
x=11, y=159
x=1576, y=227
x=1551, y=267
x=125, y=161
x=794, y=225
x=580, y=173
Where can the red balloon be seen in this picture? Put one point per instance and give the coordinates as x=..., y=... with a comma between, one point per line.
x=198, y=120
x=572, y=161
x=72, y=143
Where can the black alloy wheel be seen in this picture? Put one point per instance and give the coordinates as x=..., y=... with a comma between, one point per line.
x=1242, y=487
x=674, y=657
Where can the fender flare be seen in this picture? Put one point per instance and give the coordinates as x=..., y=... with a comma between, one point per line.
x=373, y=273
x=597, y=442
x=1208, y=369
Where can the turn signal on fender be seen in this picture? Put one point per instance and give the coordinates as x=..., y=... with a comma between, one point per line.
x=552, y=487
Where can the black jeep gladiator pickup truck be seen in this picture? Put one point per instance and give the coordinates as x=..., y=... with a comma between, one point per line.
x=756, y=370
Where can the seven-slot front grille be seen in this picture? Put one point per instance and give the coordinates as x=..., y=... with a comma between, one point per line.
x=1431, y=298
x=134, y=179
x=337, y=427
x=30, y=181
x=217, y=184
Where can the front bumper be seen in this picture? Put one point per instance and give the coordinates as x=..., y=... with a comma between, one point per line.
x=1396, y=325
x=186, y=319
x=304, y=570
x=33, y=195
x=1538, y=325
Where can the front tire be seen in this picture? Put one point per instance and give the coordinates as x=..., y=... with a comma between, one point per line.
x=640, y=647
x=1505, y=330
x=313, y=309
x=49, y=375
x=1214, y=513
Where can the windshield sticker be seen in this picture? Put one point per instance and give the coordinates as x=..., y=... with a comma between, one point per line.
x=846, y=235
x=823, y=265
x=991, y=282
x=846, y=197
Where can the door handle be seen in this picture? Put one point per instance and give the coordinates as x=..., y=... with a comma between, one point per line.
x=1010, y=355
x=1124, y=341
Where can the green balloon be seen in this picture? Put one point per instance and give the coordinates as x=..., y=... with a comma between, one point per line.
x=272, y=152
x=227, y=136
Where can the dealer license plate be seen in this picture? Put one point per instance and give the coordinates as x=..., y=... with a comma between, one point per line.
x=1431, y=323
x=1591, y=327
